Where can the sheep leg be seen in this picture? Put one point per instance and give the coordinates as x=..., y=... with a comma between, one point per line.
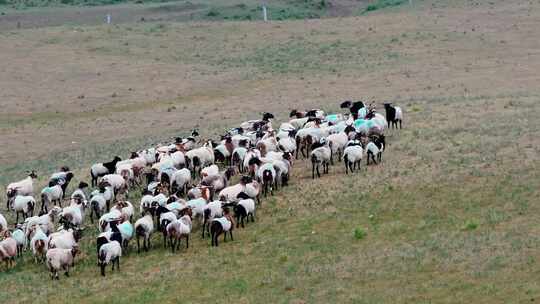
x=225, y=237
x=400, y=124
x=178, y=244
x=318, y=172
x=187, y=241
x=149, y=244
x=230, y=232
x=312, y=170
x=117, y=263
x=138, y=245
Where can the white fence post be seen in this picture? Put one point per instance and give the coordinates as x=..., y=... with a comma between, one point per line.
x=108, y=18
x=265, y=17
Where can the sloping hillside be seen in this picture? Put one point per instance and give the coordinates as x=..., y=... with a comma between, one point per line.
x=448, y=217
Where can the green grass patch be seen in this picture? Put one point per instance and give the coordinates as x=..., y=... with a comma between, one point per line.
x=380, y=4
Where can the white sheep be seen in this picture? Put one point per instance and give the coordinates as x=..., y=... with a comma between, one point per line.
x=65, y=239
x=177, y=230
x=146, y=203
x=266, y=174
x=73, y=215
x=101, y=169
x=125, y=208
x=320, y=156
x=79, y=192
x=117, y=182
x=51, y=195
x=24, y=205
x=221, y=225
x=19, y=236
x=144, y=228
x=244, y=209
x=60, y=259
x=109, y=253
x=352, y=156
x=199, y=158
x=8, y=249
x=238, y=155
x=211, y=210
x=337, y=143
x=210, y=171
x=45, y=221
x=105, y=219
x=39, y=244
x=181, y=180
x=98, y=205
x=22, y=187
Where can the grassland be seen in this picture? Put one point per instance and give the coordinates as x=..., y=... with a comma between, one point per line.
x=449, y=217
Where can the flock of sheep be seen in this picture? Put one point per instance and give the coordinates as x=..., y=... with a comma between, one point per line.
x=182, y=183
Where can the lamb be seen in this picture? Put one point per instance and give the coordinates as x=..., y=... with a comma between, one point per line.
x=8, y=249
x=221, y=225
x=50, y=195
x=394, y=115
x=23, y=187
x=101, y=169
x=39, y=244
x=320, y=156
x=62, y=178
x=180, y=180
x=58, y=259
x=177, y=230
x=110, y=252
x=144, y=228
x=352, y=156
x=24, y=205
x=244, y=209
